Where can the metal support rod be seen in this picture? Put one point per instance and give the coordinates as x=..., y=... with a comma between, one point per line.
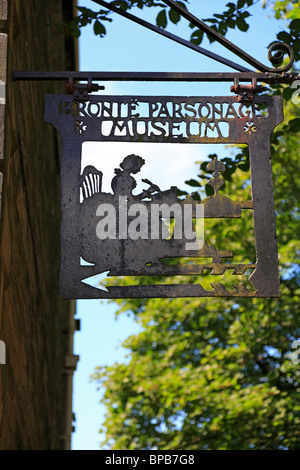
x=277, y=46
x=157, y=76
x=173, y=37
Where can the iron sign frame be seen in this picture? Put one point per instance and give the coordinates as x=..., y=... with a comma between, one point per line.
x=76, y=126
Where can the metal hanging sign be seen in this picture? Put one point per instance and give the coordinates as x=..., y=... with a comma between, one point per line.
x=124, y=234
x=153, y=233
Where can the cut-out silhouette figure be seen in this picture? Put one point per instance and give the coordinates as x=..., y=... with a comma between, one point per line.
x=123, y=183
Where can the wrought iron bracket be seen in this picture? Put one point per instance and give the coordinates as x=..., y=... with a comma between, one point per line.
x=276, y=50
x=264, y=77
x=81, y=91
x=265, y=74
x=246, y=92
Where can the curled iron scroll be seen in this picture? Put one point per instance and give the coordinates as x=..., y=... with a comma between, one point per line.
x=276, y=53
x=276, y=50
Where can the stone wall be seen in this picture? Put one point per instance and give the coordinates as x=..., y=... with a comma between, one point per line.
x=35, y=323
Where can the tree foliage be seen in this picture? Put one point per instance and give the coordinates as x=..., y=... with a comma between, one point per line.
x=218, y=373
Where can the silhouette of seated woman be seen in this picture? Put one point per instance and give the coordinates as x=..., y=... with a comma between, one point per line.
x=123, y=183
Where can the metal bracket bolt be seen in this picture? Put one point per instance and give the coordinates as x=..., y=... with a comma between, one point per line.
x=246, y=92
x=80, y=90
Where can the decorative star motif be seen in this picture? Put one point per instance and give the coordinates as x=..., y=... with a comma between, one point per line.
x=80, y=127
x=250, y=127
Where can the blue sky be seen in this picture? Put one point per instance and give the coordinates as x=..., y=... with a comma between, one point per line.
x=130, y=47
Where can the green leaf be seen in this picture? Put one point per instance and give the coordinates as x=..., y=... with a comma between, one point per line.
x=161, y=19
x=74, y=30
x=203, y=166
x=244, y=166
x=209, y=190
x=99, y=29
x=197, y=36
x=193, y=183
x=240, y=3
x=181, y=193
x=296, y=48
x=245, y=14
x=122, y=4
x=285, y=37
x=295, y=25
x=231, y=23
x=196, y=196
x=86, y=12
x=241, y=24
x=222, y=29
x=83, y=21
x=174, y=16
x=294, y=125
x=231, y=7
x=287, y=93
